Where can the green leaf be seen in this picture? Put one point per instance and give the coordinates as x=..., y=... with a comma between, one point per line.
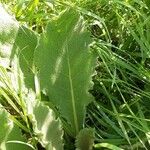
x=65, y=67
x=10, y=132
x=22, y=55
x=17, y=44
x=5, y=127
x=16, y=135
x=15, y=140
x=8, y=31
x=85, y=139
x=18, y=145
x=47, y=128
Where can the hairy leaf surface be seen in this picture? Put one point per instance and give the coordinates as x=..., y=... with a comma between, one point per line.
x=17, y=43
x=65, y=66
x=22, y=55
x=85, y=139
x=8, y=31
x=47, y=127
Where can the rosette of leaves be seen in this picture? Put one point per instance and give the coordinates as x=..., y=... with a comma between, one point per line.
x=64, y=67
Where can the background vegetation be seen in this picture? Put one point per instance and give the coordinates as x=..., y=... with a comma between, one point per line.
x=120, y=30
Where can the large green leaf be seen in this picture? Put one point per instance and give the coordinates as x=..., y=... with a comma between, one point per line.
x=65, y=66
x=47, y=128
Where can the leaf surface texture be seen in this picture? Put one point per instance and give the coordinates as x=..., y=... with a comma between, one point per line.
x=65, y=66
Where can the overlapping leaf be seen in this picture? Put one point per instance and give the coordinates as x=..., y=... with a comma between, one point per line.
x=22, y=55
x=47, y=127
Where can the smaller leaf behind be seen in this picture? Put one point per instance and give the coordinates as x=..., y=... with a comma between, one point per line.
x=22, y=55
x=85, y=139
x=16, y=135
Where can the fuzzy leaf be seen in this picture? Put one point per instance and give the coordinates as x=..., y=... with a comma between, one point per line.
x=8, y=31
x=22, y=55
x=65, y=67
x=17, y=43
x=47, y=127
x=85, y=139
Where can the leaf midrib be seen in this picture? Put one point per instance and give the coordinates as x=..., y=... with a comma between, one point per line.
x=72, y=94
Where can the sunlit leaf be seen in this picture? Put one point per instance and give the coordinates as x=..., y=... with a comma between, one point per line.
x=47, y=127
x=22, y=55
x=65, y=67
x=8, y=31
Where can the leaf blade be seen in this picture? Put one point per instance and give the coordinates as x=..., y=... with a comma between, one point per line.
x=45, y=125
x=65, y=73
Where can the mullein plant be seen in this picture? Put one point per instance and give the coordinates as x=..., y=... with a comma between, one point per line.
x=56, y=64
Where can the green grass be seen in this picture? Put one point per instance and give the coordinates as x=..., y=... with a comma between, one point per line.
x=121, y=39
